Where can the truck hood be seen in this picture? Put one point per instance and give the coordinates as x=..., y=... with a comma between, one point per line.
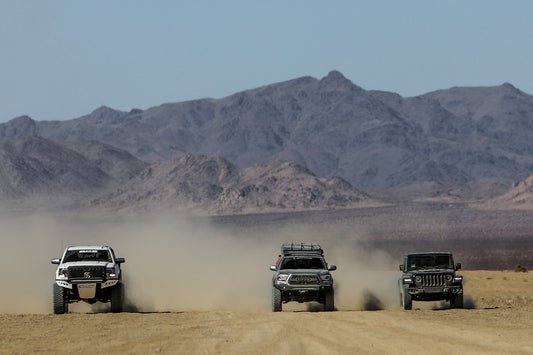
x=87, y=263
x=304, y=271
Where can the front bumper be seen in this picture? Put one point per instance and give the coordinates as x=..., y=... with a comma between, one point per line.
x=300, y=288
x=435, y=290
x=70, y=284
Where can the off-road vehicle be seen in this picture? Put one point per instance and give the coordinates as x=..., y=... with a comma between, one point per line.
x=302, y=275
x=430, y=277
x=89, y=274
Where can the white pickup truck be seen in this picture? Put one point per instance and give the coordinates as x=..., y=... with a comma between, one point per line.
x=89, y=274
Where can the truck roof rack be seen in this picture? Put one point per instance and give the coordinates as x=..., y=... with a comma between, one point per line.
x=301, y=249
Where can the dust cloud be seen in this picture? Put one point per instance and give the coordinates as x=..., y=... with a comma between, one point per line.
x=365, y=279
x=182, y=264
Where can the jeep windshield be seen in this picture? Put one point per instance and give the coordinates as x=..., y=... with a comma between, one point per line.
x=420, y=262
x=302, y=263
x=87, y=255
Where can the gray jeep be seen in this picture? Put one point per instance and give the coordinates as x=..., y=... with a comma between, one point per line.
x=89, y=274
x=430, y=277
x=302, y=275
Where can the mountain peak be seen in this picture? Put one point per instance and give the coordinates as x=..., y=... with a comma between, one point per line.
x=103, y=109
x=22, y=120
x=103, y=113
x=18, y=127
x=510, y=87
x=336, y=80
x=335, y=75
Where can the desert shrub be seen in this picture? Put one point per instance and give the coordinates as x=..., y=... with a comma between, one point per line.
x=520, y=268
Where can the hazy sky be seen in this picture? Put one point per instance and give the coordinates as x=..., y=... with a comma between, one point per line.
x=63, y=59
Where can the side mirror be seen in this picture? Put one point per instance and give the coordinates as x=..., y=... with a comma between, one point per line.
x=402, y=268
x=55, y=261
x=120, y=260
x=332, y=267
x=273, y=267
x=457, y=266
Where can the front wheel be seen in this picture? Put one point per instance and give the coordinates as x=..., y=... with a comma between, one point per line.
x=456, y=301
x=276, y=300
x=117, y=298
x=60, y=300
x=406, y=299
x=329, y=301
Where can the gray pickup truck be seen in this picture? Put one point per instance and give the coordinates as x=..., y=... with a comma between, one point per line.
x=430, y=277
x=302, y=275
x=89, y=274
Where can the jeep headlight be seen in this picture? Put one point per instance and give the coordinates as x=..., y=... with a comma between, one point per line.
x=449, y=278
x=418, y=280
x=407, y=280
x=282, y=278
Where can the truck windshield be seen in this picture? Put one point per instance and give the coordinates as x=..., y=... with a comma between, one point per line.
x=429, y=262
x=87, y=255
x=302, y=263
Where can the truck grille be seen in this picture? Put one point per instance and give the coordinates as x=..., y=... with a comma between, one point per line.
x=304, y=280
x=86, y=273
x=433, y=280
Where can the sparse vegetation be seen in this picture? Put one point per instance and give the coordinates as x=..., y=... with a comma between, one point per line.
x=520, y=268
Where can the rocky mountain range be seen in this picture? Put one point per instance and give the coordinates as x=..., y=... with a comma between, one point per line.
x=49, y=173
x=200, y=184
x=520, y=196
x=37, y=173
x=372, y=139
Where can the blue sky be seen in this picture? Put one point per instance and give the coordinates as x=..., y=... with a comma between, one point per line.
x=63, y=59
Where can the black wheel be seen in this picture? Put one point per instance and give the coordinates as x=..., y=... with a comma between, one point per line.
x=406, y=299
x=329, y=301
x=117, y=298
x=60, y=300
x=456, y=301
x=276, y=300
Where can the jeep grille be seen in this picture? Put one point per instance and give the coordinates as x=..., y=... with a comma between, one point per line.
x=433, y=280
x=304, y=280
x=86, y=273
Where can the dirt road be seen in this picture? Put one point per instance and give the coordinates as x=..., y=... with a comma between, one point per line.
x=499, y=321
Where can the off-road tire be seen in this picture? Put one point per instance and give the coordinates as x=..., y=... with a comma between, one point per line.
x=117, y=298
x=406, y=300
x=60, y=300
x=329, y=301
x=276, y=300
x=456, y=301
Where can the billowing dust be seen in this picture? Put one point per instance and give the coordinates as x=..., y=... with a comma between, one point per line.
x=181, y=264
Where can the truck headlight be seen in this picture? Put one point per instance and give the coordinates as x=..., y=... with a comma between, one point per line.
x=111, y=273
x=62, y=272
x=325, y=277
x=282, y=278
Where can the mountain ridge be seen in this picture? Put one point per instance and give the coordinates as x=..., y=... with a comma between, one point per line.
x=373, y=139
x=37, y=173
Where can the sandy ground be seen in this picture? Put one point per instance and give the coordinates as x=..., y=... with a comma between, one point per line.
x=498, y=320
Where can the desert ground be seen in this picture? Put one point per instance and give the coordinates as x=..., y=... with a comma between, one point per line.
x=196, y=285
x=498, y=320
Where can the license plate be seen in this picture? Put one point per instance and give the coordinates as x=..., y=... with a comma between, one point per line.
x=86, y=285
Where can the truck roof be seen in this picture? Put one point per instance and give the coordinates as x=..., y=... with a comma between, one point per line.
x=89, y=247
x=301, y=248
